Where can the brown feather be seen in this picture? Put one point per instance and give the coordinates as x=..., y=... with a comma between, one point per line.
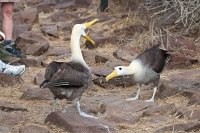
x=154, y=58
x=67, y=79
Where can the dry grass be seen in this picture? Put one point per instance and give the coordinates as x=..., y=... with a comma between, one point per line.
x=182, y=15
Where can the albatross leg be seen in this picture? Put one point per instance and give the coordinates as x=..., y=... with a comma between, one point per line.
x=137, y=95
x=54, y=104
x=152, y=98
x=83, y=113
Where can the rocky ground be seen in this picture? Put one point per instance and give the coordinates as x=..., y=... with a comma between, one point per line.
x=42, y=30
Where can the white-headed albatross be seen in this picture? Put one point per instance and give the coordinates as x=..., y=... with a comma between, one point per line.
x=145, y=68
x=68, y=80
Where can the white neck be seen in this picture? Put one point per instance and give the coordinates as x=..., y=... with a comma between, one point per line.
x=76, y=54
x=135, y=67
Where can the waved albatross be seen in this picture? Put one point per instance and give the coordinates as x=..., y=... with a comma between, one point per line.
x=145, y=68
x=68, y=80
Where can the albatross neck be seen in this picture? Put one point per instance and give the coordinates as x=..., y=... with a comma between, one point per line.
x=135, y=67
x=76, y=50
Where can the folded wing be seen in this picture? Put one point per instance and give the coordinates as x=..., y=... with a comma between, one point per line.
x=66, y=74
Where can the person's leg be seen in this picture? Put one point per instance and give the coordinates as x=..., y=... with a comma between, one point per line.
x=7, y=28
x=0, y=18
x=7, y=21
x=4, y=55
x=104, y=5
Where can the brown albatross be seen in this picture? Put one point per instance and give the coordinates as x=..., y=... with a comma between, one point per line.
x=145, y=68
x=68, y=80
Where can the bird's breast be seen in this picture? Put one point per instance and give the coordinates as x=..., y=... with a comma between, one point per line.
x=145, y=76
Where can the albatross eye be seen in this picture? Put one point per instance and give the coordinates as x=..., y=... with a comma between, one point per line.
x=120, y=68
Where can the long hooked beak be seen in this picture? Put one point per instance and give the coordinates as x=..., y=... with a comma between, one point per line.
x=112, y=75
x=87, y=26
x=89, y=39
x=91, y=23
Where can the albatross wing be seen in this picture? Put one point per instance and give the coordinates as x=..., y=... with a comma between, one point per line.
x=154, y=58
x=61, y=74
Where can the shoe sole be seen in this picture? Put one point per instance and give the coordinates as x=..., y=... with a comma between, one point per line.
x=22, y=71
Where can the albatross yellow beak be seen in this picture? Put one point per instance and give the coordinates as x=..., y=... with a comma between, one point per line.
x=89, y=39
x=91, y=23
x=112, y=75
x=87, y=26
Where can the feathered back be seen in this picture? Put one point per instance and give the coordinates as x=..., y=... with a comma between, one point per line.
x=155, y=58
x=70, y=73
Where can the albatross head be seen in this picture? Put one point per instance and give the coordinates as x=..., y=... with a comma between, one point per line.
x=80, y=29
x=119, y=71
x=134, y=68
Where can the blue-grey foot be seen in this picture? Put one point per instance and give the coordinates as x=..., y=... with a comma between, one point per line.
x=131, y=99
x=137, y=95
x=152, y=98
x=83, y=113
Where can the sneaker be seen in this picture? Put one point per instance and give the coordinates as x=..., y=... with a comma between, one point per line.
x=11, y=47
x=14, y=70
